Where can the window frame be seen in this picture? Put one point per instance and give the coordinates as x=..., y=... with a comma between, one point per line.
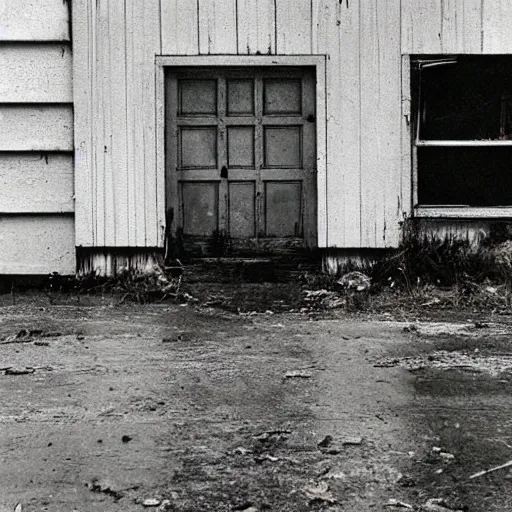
x=411, y=102
x=318, y=61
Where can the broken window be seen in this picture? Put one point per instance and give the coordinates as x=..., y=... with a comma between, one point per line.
x=463, y=125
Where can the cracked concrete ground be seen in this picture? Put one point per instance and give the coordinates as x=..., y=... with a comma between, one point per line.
x=194, y=405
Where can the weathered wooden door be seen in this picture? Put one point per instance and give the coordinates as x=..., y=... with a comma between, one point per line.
x=241, y=159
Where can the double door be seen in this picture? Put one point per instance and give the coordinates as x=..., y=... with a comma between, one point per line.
x=241, y=158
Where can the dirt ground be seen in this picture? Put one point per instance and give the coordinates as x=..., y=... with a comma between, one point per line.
x=104, y=406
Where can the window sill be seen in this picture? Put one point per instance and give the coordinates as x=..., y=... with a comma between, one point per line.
x=462, y=143
x=463, y=212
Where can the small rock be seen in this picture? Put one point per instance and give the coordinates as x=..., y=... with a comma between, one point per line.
x=352, y=441
x=355, y=281
x=447, y=456
x=242, y=451
x=19, y=371
x=335, y=475
x=437, y=505
x=406, y=481
x=398, y=504
x=319, y=492
x=42, y=343
x=126, y=439
x=436, y=449
x=325, y=442
x=151, y=502
x=298, y=375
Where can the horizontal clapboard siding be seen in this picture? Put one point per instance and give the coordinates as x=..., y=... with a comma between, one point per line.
x=34, y=20
x=36, y=73
x=36, y=143
x=37, y=244
x=36, y=127
x=32, y=183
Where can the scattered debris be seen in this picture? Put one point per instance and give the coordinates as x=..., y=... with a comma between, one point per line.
x=326, y=446
x=335, y=475
x=496, y=468
x=406, y=481
x=323, y=467
x=437, y=505
x=22, y=336
x=28, y=336
x=319, y=492
x=42, y=343
x=245, y=507
x=432, y=302
x=19, y=371
x=105, y=488
x=242, y=451
x=355, y=281
x=265, y=457
x=165, y=506
x=325, y=442
x=272, y=435
x=472, y=361
x=324, y=299
x=151, y=502
x=388, y=363
x=352, y=441
x=297, y=374
x=398, y=504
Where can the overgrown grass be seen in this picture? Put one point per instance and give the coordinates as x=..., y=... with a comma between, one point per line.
x=430, y=271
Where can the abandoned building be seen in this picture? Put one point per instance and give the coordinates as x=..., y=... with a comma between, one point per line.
x=247, y=126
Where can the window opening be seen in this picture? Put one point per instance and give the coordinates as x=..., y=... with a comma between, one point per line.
x=463, y=124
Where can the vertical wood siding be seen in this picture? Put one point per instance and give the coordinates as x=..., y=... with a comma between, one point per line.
x=456, y=26
x=36, y=123
x=368, y=186
x=114, y=86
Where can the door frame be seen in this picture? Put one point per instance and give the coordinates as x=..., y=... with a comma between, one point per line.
x=316, y=61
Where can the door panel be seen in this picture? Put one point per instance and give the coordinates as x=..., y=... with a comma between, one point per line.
x=200, y=207
x=242, y=212
x=198, y=148
x=241, y=157
x=283, y=209
x=282, y=96
x=240, y=95
x=283, y=147
x=197, y=97
x=241, y=146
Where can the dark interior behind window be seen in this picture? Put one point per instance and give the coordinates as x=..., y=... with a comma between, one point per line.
x=466, y=100
x=469, y=176
x=459, y=100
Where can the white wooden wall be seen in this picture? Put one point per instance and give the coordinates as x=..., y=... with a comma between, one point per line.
x=456, y=26
x=36, y=142
x=120, y=196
